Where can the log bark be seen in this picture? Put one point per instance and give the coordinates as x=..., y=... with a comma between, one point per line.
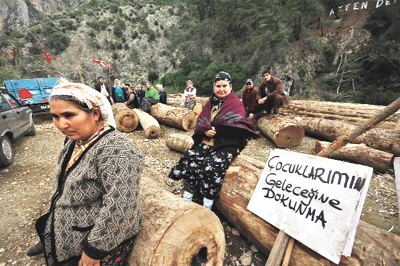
x=125, y=118
x=181, y=118
x=179, y=142
x=377, y=138
x=372, y=246
x=352, y=113
x=149, y=124
x=176, y=100
x=283, y=131
x=359, y=153
x=175, y=231
x=397, y=126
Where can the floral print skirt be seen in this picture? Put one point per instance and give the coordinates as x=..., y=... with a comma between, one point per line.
x=203, y=169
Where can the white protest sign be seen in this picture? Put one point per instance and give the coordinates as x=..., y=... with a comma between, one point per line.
x=396, y=164
x=318, y=201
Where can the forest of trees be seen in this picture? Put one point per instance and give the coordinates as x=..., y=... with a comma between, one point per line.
x=243, y=36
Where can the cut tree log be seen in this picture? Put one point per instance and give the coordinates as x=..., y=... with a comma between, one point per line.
x=125, y=118
x=179, y=142
x=283, y=131
x=372, y=246
x=378, y=138
x=178, y=117
x=359, y=153
x=149, y=124
x=175, y=231
x=176, y=100
x=352, y=113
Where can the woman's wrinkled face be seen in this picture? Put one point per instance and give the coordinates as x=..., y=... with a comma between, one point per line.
x=75, y=123
x=222, y=89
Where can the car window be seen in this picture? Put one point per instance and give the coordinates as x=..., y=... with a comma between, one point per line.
x=4, y=106
x=11, y=100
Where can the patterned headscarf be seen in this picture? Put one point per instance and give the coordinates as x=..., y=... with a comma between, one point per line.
x=87, y=95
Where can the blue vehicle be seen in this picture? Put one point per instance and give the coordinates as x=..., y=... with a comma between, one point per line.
x=36, y=91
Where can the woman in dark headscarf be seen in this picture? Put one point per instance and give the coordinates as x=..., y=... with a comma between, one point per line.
x=221, y=133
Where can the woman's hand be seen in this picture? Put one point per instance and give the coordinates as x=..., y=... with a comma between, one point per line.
x=88, y=261
x=210, y=133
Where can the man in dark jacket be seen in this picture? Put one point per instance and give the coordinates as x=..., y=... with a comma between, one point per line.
x=270, y=94
x=249, y=99
x=102, y=87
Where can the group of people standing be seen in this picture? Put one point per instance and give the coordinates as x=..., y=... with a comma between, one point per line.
x=136, y=97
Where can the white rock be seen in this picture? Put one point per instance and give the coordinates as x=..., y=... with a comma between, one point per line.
x=245, y=259
x=235, y=232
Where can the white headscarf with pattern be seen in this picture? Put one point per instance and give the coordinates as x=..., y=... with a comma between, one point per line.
x=85, y=94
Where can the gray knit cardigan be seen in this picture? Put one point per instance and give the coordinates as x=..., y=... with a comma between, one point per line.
x=98, y=206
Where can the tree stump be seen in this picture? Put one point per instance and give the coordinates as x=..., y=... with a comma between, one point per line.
x=179, y=142
x=283, y=131
x=372, y=246
x=178, y=117
x=125, y=118
x=176, y=231
x=149, y=124
x=361, y=154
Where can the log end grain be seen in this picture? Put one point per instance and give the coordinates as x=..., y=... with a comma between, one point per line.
x=203, y=240
x=189, y=121
x=289, y=136
x=179, y=142
x=152, y=132
x=126, y=120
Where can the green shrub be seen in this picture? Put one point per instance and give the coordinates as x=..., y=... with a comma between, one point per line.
x=153, y=75
x=114, y=56
x=92, y=33
x=118, y=31
x=58, y=42
x=114, y=8
x=35, y=49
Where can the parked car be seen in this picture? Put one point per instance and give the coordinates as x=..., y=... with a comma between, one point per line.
x=15, y=121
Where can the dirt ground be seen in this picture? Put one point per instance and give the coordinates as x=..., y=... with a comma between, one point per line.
x=25, y=191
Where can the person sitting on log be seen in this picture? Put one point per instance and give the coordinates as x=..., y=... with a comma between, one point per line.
x=190, y=95
x=249, y=98
x=221, y=133
x=151, y=97
x=95, y=210
x=161, y=92
x=118, y=94
x=132, y=101
x=270, y=95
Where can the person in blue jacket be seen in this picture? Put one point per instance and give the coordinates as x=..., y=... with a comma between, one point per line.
x=118, y=93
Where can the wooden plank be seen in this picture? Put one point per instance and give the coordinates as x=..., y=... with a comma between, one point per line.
x=278, y=250
x=288, y=253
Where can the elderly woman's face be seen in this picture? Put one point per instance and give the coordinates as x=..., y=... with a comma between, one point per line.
x=147, y=85
x=222, y=89
x=116, y=82
x=75, y=123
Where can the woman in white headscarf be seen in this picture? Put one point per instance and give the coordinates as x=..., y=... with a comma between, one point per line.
x=95, y=211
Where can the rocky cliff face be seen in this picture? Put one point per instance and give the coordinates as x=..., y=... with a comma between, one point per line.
x=16, y=14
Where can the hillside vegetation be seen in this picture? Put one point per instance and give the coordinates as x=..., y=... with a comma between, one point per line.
x=318, y=55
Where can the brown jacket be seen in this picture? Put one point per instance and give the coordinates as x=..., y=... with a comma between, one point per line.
x=275, y=87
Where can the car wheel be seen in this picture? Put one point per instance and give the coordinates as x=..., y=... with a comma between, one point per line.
x=32, y=131
x=6, y=154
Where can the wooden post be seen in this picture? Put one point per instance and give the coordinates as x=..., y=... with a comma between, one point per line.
x=278, y=250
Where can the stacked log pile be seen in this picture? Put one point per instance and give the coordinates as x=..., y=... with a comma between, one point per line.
x=178, y=117
x=372, y=246
x=377, y=138
x=125, y=118
x=351, y=113
x=175, y=231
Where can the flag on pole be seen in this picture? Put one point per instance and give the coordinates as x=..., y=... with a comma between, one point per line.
x=102, y=64
x=47, y=56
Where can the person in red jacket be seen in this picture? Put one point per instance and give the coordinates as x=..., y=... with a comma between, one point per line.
x=270, y=94
x=249, y=99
